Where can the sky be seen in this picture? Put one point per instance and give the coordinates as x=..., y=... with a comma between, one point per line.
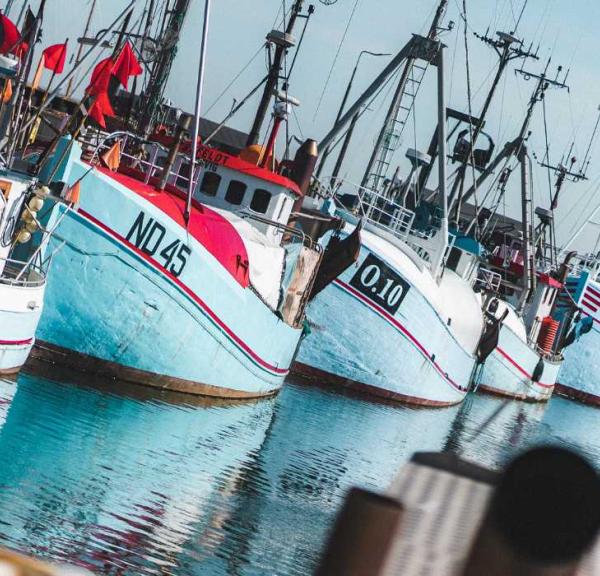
x=335, y=35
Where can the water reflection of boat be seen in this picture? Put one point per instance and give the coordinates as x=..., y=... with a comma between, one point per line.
x=489, y=430
x=319, y=445
x=115, y=483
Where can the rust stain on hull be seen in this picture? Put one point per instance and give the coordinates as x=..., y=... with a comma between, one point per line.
x=322, y=378
x=50, y=354
x=579, y=395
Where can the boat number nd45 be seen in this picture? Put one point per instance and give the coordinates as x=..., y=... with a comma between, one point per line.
x=151, y=238
x=380, y=283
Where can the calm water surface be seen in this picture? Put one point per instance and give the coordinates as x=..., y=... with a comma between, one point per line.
x=136, y=482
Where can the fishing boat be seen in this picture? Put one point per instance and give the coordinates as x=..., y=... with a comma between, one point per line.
x=581, y=299
x=22, y=282
x=400, y=324
x=174, y=263
x=520, y=277
x=214, y=305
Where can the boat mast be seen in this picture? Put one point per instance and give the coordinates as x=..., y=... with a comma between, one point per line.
x=508, y=48
x=512, y=148
x=418, y=47
x=193, y=177
x=437, y=264
x=282, y=42
x=167, y=50
x=402, y=102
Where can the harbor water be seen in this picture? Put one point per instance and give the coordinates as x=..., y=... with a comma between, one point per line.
x=134, y=481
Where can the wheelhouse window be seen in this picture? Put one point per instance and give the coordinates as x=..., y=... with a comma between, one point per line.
x=260, y=201
x=183, y=176
x=210, y=183
x=235, y=192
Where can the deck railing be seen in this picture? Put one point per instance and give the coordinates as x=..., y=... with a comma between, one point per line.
x=488, y=280
x=376, y=208
x=150, y=168
x=19, y=273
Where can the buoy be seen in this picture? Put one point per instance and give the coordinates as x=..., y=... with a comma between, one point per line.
x=31, y=226
x=36, y=204
x=23, y=236
x=547, y=334
x=28, y=215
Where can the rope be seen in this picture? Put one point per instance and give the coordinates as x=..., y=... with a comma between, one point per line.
x=339, y=49
x=234, y=80
x=520, y=16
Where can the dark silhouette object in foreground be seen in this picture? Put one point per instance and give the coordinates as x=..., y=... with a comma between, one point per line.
x=540, y=517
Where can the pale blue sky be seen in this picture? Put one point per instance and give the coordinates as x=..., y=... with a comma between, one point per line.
x=565, y=30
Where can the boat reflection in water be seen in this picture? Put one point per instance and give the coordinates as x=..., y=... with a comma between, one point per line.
x=489, y=430
x=119, y=484
x=146, y=483
x=320, y=444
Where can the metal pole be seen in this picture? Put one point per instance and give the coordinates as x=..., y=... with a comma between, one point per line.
x=200, y=86
x=80, y=49
x=345, y=144
x=525, y=222
x=343, y=104
x=417, y=44
x=8, y=7
x=443, y=233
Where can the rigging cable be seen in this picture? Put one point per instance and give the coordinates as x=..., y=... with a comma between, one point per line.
x=547, y=155
x=339, y=49
x=235, y=78
x=520, y=16
x=470, y=110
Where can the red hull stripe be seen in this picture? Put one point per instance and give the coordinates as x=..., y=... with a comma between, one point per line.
x=588, y=305
x=192, y=295
x=16, y=342
x=401, y=328
x=593, y=291
x=592, y=299
x=521, y=369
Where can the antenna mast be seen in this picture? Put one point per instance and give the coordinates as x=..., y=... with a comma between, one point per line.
x=508, y=48
x=283, y=41
x=512, y=148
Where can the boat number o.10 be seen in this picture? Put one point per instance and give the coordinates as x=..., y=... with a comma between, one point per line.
x=380, y=283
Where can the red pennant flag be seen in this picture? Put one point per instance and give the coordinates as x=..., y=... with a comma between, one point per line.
x=112, y=157
x=73, y=193
x=100, y=78
x=9, y=35
x=54, y=57
x=101, y=108
x=126, y=65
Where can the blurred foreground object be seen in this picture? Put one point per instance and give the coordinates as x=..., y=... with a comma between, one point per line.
x=448, y=517
x=13, y=564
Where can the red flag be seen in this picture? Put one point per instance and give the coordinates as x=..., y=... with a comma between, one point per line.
x=21, y=49
x=100, y=78
x=126, y=65
x=9, y=35
x=101, y=108
x=54, y=57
